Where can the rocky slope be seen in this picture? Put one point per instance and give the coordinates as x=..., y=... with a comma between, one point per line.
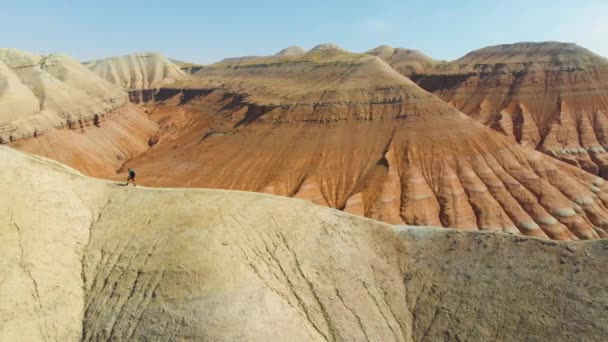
x=141, y=74
x=549, y=96
x=348, y=131
x=406, y=61
x=85, y=259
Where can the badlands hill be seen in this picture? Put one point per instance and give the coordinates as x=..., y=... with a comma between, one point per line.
x=340, y=129
x=56, y=107
x=84, y=259
x=142, y=74
x=347, y=131
x=549, y=96
x=39, y=93
x=405, y=61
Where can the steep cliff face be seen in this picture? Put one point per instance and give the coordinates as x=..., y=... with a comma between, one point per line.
x=348, y=131
x=89, y=260
x=549, y=96
x=141, y=74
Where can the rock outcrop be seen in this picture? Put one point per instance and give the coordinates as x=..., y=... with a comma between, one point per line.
x=406, y=61
x=89, y=260
x=549, y=96
x=141, y=74
x=348, y=131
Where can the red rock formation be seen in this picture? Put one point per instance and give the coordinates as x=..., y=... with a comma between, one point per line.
x=550, y=96
x=347, y=131
x=97, y=148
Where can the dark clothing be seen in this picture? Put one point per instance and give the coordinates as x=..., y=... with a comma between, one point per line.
x=131, y=177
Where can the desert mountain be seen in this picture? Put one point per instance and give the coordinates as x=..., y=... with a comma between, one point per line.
x=549, y=96
x=347, y=131
x=405, y=61
x=39, y=93
x=142, y=74
x=89, y=260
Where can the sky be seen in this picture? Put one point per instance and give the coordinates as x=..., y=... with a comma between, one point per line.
x=207, y=31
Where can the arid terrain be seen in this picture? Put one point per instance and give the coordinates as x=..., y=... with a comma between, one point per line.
x=340, y=129
x=379, y=152
x=86, y=259
x=231, y=171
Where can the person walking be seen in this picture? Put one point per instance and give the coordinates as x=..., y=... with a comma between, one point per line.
x=131, y=177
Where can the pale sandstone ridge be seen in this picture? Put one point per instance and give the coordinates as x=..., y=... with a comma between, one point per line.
x=89, y=260
x=40, y=93
x=348, y=131
x=142, y=74
x=550, y=96
x=405, y=61
x=292, y=50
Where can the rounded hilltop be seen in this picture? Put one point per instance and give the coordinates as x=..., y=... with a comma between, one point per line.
x=405, y=61
x=327, y=47
x=527, y=52
x=138, y=71
x=292, y=50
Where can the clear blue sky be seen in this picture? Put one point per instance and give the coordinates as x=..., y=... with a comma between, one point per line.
x=206, y=31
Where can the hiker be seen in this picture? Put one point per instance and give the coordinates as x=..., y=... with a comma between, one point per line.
x=131, y=177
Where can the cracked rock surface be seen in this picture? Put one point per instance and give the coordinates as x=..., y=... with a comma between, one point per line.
x=85, y=259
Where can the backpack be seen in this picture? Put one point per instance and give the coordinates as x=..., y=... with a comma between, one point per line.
x=132, y=173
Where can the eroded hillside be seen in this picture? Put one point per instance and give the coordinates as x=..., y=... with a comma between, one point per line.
x=54, y=106
x=549, y=96
x=85, y=259
x=340, y=129
x=141, y=74
x=347, y=131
